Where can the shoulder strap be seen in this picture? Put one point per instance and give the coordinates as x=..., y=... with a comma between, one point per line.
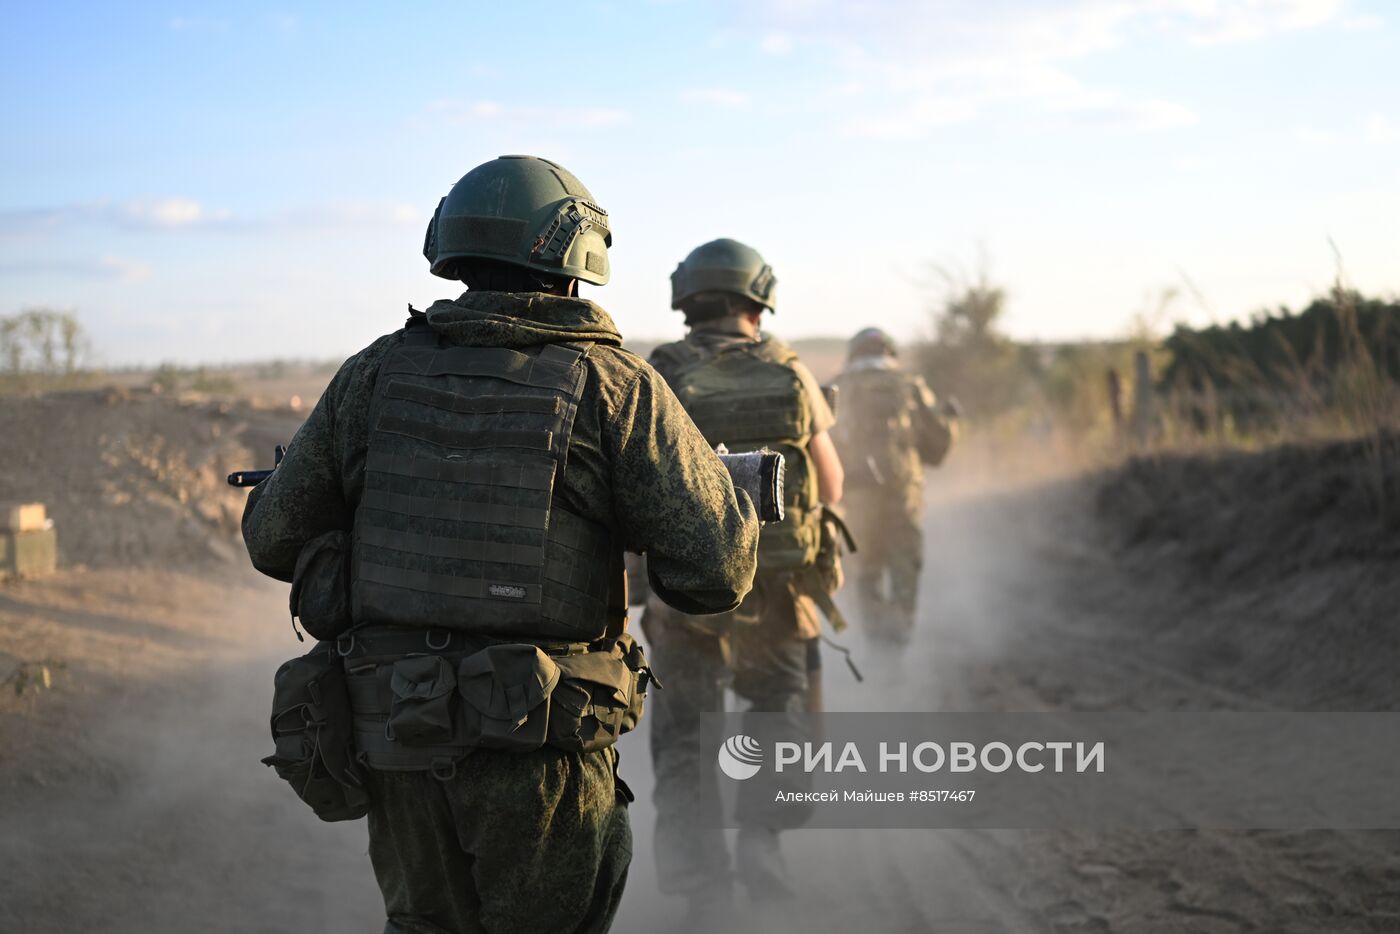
x=675, y=359
x=417, y=332
x=774, y=350
x=678, y=353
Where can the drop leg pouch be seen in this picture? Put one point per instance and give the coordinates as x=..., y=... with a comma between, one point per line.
x=312, y=731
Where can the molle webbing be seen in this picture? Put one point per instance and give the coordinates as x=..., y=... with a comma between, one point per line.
x=457, y=527
x=750, y=420
x=747, y=396
x=881, y=429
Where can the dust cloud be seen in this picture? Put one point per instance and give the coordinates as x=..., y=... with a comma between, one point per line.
x=132, y=799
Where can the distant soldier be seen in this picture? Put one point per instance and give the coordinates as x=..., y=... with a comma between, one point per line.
x=890, y=429
x=746, y=390
x=491, y=461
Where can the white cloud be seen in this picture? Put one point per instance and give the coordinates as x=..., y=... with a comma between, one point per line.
x=1108, y=109
x=1243, y=20
x=112, y=268
x=776, y=43
x=1314, y=136
x=126, y=270
x=954, y=60
x=140, y=214
x=912, y=122
x=1381, y=129
x=166, y=213
x=188, y=215
x=717, y=97
x=1362, y=23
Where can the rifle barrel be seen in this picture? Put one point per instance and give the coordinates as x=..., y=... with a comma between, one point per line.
x=248, y=477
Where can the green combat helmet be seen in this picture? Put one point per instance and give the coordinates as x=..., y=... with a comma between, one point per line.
x=524, y=211
x=724, y=265
x=872, y=342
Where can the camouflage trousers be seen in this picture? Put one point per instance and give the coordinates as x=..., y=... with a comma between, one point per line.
x=512, y=844
x=889, y=559
x=766, y=663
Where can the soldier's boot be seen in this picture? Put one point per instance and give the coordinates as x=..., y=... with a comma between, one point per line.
x=759, y=863
x=902, y=622
x=710, y=910
x=904, y=593
x=874, y=608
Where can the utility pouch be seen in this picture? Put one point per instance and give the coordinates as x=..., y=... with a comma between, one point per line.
x=506, y=689
x=834, y=535
x=812, y=588
x=424, y=697
x=636, y=661
x=313, y=732
x=599, y=697
x=320, y=596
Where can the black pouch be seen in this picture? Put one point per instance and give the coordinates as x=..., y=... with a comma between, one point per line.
x=424, y=697
x=320, y=596
x=599, y=697
x=506, y=689
x=636, y=661
x=313, y=733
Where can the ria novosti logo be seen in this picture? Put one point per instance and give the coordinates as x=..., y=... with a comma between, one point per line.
x=740, y=757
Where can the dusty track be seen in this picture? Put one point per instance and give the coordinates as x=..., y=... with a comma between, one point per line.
x=131, y=798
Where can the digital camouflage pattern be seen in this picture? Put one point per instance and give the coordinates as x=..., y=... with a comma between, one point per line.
x=760, y=650
x=890, y=430
x=533, y=841
x=749, y=396
x=636, y=463
x=541, y=838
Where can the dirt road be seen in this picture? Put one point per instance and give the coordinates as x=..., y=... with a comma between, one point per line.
x=131, y=798
x=1032, y=601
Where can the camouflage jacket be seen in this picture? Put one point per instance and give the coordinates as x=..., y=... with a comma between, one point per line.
x=636, y=464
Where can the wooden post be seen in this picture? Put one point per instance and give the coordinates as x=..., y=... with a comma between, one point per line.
x=1144, y=400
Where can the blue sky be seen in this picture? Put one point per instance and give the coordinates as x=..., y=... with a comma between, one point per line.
x=208, y=183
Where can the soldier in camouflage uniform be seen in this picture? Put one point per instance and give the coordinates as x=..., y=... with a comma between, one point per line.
x=440, y=451
x=746, y=390
x=892, y=429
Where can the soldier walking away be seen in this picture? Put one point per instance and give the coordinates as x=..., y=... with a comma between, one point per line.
x=892, y=429
x=490, y=461
x=746, y=390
